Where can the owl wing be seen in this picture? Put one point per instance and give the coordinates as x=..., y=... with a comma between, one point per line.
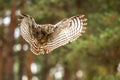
x=24, y=28
x=27, y=33
x=67, y=31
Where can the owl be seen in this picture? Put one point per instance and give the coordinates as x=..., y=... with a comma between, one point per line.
x=45, y=38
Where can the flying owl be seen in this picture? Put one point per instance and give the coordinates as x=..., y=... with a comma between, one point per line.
x=45, y=38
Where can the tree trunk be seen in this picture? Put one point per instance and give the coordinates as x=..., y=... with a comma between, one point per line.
x=1, y=65
x=28, y=65
x=21, y=61
x=10, y=57
x=4, y=61
x=66, y=71
x=45, y=68
x=21, y=55
x=1, y=49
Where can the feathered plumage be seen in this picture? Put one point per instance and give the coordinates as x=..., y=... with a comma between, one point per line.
x=45, y=38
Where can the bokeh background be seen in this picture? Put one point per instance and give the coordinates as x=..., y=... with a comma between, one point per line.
x=94, y=56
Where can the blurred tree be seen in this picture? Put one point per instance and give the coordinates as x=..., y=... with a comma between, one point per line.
x=96, y=53
x=28, y=65
x=11, y=41
x=22, y=56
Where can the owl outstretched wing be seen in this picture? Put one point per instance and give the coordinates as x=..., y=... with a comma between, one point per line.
x=67, y=31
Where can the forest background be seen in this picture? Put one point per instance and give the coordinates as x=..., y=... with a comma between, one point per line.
x=94, y=56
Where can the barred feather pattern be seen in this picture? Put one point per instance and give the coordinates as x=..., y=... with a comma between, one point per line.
x=65, y=31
